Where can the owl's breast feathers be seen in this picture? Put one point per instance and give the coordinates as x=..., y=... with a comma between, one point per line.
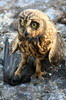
x=37, y=47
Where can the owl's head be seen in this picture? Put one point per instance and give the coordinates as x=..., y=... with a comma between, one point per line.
x=32, y=23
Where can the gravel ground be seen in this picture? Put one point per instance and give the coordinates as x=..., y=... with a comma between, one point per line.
x=53, y=87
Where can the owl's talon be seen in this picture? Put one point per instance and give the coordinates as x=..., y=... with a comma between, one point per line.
x=34, y=75
x=16, y=78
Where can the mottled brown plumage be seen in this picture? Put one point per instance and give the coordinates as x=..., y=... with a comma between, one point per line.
x=37, y=37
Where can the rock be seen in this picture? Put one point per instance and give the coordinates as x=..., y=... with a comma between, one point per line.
x=61, y=19
x=53, y=87
x=53, y=13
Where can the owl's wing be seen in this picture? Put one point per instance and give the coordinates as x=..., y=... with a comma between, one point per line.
x=14, y=45
x=56, y=53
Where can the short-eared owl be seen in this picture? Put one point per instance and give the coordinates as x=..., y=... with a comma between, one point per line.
x=37, y=37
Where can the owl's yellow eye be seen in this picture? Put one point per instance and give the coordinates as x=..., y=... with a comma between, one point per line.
x=34, y=25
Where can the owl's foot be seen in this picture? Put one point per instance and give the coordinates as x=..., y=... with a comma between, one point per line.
x=39, y=75
x=15, y=79
x=17, y=75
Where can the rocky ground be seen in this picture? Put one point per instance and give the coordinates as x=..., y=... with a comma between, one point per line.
x=53, y=87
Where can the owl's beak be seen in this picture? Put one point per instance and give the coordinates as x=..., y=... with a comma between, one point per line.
x=25, y=33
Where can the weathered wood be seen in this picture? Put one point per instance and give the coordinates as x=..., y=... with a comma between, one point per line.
x=1, y=61
x=9, y=63
x=6, y=53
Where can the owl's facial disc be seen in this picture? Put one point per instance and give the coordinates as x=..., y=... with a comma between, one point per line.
x=28, y=27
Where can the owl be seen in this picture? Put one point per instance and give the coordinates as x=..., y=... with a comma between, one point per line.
x=37, y=37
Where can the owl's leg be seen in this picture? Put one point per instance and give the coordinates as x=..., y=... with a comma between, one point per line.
x=38, y=72
x=23, y=62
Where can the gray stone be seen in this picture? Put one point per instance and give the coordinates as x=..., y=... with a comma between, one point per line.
x=53, y=87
